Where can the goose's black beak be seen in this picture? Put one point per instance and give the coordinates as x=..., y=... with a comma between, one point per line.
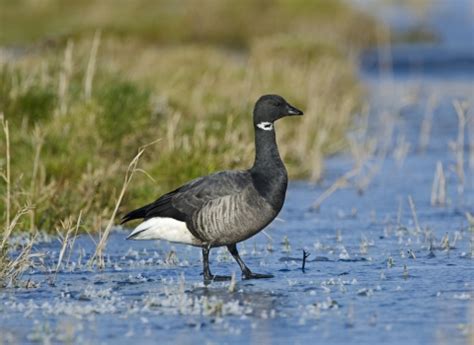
x=292, y=110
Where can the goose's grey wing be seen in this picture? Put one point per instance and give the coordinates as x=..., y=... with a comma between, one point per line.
x=192, y=197
x=185, y=201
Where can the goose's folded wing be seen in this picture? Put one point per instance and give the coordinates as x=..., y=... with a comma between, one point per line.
x=184, y=201
x=194, y=196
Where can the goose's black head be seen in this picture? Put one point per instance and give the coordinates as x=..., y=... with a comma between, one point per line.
x=270, y=108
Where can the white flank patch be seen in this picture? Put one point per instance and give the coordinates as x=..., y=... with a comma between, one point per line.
x=266, y=126
x=168, y=229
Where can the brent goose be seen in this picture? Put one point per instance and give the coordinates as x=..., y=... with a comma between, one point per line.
x=226, y=207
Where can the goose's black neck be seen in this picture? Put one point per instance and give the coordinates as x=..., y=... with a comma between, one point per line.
x=267, y=157
x=268, y=172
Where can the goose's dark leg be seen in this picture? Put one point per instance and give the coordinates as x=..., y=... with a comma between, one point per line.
x=208, y=276
x=246, y=272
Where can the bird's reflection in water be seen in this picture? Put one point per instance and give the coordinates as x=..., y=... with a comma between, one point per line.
x=261, y=302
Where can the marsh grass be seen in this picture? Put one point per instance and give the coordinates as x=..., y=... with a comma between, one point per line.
x=11, y=268
x=438, y=190
x=65, y=233
x=427, y=123
x=458, y=146
x=341, y=182
x=414, y=215
x=98, y=257
x=6, y=177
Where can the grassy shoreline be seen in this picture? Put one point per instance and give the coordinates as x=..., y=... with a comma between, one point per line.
x=86, y=96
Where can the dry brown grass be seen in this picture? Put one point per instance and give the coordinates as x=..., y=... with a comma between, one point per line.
x=11, y=268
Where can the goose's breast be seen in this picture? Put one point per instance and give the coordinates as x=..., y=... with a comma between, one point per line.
x=233, y=218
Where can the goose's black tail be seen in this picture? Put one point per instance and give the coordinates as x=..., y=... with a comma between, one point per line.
x=139, y=213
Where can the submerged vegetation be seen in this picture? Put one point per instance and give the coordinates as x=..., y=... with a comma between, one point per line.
x=82, y=91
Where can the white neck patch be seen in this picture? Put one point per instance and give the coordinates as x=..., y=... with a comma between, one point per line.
x=266, y=126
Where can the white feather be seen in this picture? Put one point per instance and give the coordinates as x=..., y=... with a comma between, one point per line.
x=266, y=126
x=159, y=228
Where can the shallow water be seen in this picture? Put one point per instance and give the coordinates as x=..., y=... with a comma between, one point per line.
x=374, y=275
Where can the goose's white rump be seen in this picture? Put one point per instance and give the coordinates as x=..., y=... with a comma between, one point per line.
x=161, y=228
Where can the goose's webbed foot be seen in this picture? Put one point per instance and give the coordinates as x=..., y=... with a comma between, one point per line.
x=209, y=278
x=246, y=272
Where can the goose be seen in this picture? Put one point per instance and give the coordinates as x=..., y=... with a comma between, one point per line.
x=227, y=207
